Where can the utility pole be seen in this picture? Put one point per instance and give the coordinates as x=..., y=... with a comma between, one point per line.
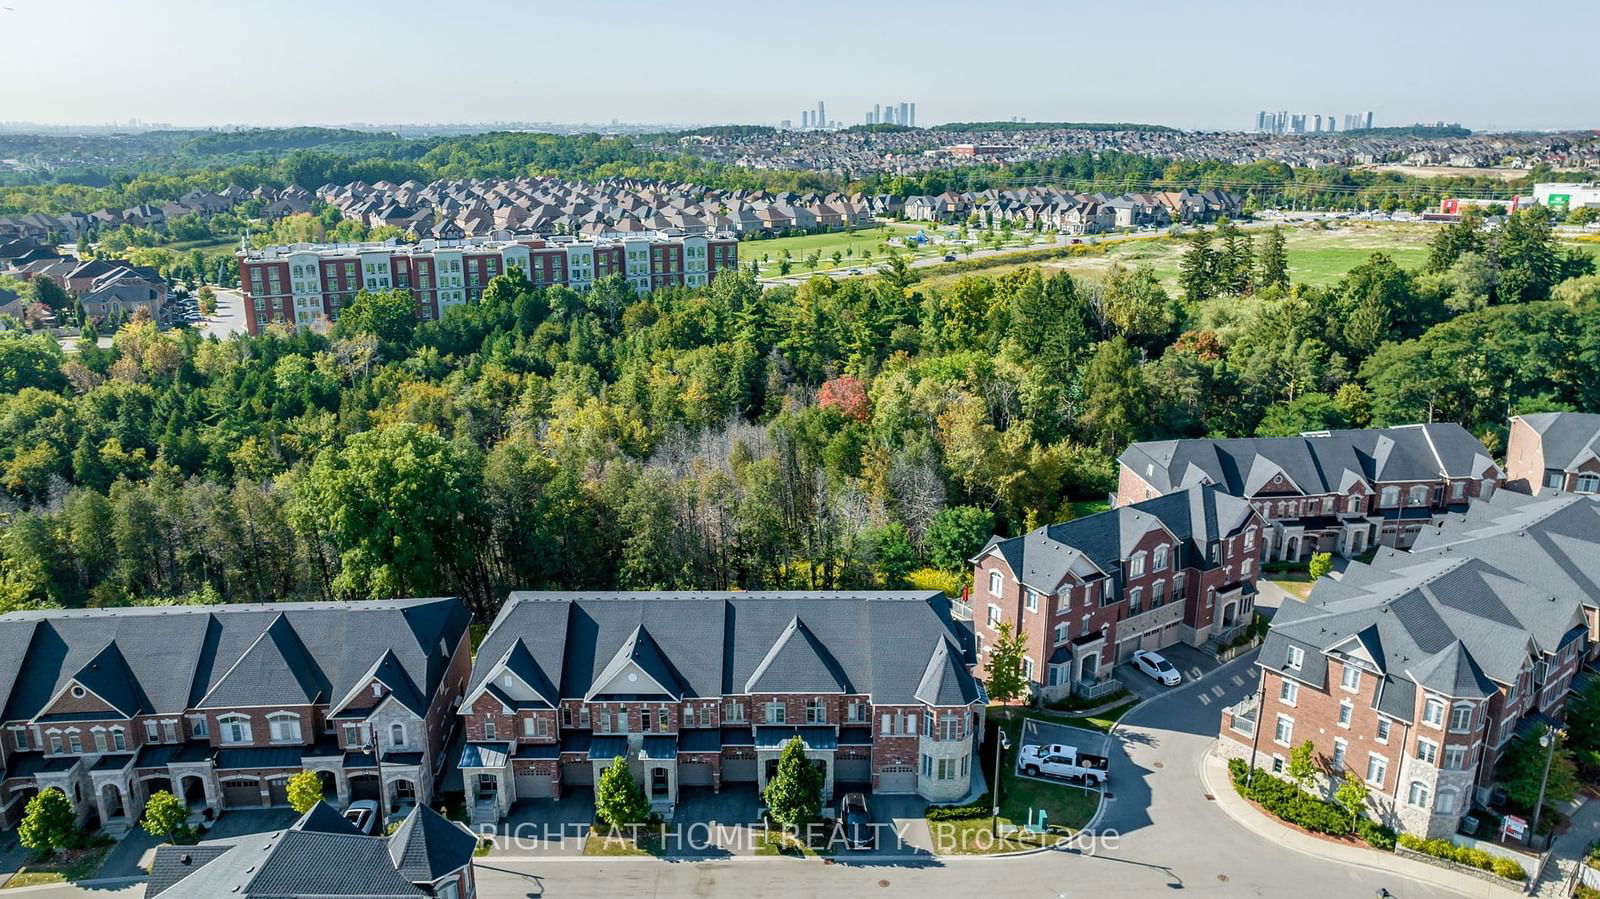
x=1261, y=716
x=1001, y=742
x=1548, y=739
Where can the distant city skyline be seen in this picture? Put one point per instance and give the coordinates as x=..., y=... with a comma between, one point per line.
x=210, y=63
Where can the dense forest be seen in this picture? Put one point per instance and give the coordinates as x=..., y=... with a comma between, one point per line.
x=863, y=432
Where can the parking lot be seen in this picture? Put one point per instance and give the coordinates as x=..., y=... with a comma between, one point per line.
x=1191, y=662
x=1036, y=732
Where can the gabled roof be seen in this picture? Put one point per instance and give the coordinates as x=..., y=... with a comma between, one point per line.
x=427, y=846
x=275, y=670
x=639, y=650
x=797, y=663
x=945, y=682
x=107, y=676
x=1567, y=438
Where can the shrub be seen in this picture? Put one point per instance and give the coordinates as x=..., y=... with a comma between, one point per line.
x=934, y=579
x=1376, y=835
x=982, y=807
x=1289, y=802
x=1462, y=855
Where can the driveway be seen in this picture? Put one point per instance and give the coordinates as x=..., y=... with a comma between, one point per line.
x=13, y=854
x=241, y=822
x=546, y=826
x=709, y=824
x=1191, y=662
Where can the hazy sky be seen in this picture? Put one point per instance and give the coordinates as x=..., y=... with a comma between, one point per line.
x=1190, y=63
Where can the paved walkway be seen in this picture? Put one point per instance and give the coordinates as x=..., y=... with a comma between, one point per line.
x=1569, y=850
x=1214, y=772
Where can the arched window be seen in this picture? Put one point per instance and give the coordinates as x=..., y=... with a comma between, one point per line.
x=1390, y=496
x=397, y=734
x=1250, y=538
x=1417, y=495
x=1160, y=563
x=235, y=728
x=1353, y=504
x=285, y=727
x=1136, y=565
x=1418, y=795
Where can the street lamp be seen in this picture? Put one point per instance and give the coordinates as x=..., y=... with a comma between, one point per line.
x=1003, y=743
x=1548, y=740
x=371, y=745
x=1255, y=738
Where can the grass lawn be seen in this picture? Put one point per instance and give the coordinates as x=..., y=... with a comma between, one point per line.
x=1069, y=807
x=1084, y=507
x=800, y=247
x=67, y=866
x=1295, y=584
x=775, y=843
x=622, y=842
x=975, y=836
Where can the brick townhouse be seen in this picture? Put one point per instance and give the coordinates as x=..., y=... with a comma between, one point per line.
x=304, y=284
x=704, y=689
x=221, y=704
x=1554, y=451
x=1089, y=592
x=1415, y=671
x=1325, y=491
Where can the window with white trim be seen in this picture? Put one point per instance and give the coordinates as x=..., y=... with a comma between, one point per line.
x=994, y=616
x=1159, y=563
x=1136, y=564
x=1383, y=730
x=1031, y=599
x=1350, y=678
x=1427, y=751
x=733, y=712
x=1288, y=692
x=235, y=728
x=816, y=711
x=1433, y=712
x=775, y=712
x=152, y=731
x=1340, y=745
x=1461, y=718
x=119, y=739
x=1063, y=629
x=285, y=727
x=1346, y=711
x=1418, y=794
x=489, y=728
x=1445, y=803
x=1377, y=769
x=995, y=582
x=1296, y=658
x=20, y=739
x=1455, y=758
x=1283, y=733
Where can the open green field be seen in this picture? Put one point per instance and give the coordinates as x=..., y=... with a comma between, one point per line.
x=1317, y=256
x=768, y=252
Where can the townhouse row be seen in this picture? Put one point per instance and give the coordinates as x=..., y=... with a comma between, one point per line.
x=305, y=284
x=221, y=705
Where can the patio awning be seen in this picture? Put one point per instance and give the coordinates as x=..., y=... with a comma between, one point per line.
x=538, y=751
x=700, y=740
x=281, y=757
x=484, y=755
x=773, y=736
x=113, y=762
x=605, y=748
x=738, y=736
x=855, y=736
x=660, y=748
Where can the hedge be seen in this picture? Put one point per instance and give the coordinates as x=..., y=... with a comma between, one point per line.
x=1292, y=804
x=983, y=807
x=1499, y=865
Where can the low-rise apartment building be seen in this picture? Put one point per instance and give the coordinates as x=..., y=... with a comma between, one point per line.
x=1554, y=451
x=306, y=284
x=1325, y=491
x=1088, y=593
x=221, y=704
x=1415, y=671
x=705, y=689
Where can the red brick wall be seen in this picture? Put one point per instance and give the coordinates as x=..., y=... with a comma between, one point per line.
x=1132, y=487
x=1524, y=459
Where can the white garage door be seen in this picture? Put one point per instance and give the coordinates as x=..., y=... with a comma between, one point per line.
x=1150, y=639
x=897, y=779
x=1169, y=634
x=577, y=774
x=1126, y=648
x=532, y=785
x=738, y=771
x=695, y=774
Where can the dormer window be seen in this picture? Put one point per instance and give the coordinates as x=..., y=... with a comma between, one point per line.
x=995, y=581
x=1136, y=565
x=1160, y=563
x=1296, y=658
x=377, y=690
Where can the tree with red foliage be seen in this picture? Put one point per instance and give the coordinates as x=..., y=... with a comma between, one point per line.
x=848, y=395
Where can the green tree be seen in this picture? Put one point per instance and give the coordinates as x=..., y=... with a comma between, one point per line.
x=619, y=801
x=1008, y=680
x=894, y=554
x=794, y=791
x=389, y=315
x=1521, y=769
x=956, y=534
x=1197, y=272
x=305, y=791
x=404, y=510
x=1138, y=308
x=1272, y=261
x=1321, y=564
x=1302, y=766
x=48, y=824
x=165, y=817
x=1352, y=794
x=43, y=290
x=1116, y=401
x=29, y=361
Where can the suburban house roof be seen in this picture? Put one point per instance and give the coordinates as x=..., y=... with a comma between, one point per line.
x=163, y=660
x=319, y=855
x=1315, y=463
x=1568, y=438
x=896, y=646
x=1098, y=544
x=1453, y=626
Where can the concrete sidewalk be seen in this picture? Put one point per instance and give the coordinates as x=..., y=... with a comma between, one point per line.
x=1568, y=852
x=1214, y=774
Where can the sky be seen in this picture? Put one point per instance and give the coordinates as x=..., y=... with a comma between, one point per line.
x=1188, y=63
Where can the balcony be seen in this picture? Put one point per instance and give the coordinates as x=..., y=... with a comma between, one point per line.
x=1094, y=688
x=1241, y=717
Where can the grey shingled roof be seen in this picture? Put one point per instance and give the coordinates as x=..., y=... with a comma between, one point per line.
x=1568, y=438
x=259, y=654
x=1315, y=463
x=1453, y=626
x=716, y=644
x=427, y=846
x=1550, y=542
x=314, y=858
x=1197, y=517
x=945, y=681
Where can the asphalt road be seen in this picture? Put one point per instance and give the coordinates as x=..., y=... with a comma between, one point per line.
x=229, y=319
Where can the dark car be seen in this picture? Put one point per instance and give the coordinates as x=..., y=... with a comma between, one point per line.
x=949, y=257
x=855, y=823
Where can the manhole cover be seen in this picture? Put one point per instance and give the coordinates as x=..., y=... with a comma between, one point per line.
x=883, y=883
x=1222, y=878
x=1158, y=765
x=1211, y=797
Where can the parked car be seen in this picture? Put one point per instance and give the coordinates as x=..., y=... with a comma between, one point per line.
x=855, y=271
x=1156, y=666
x=949, y=257
x=855, y=823
x=1058, y=760
x=363, y=813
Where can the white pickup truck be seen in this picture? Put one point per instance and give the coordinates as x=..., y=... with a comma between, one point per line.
x=1057, y=760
